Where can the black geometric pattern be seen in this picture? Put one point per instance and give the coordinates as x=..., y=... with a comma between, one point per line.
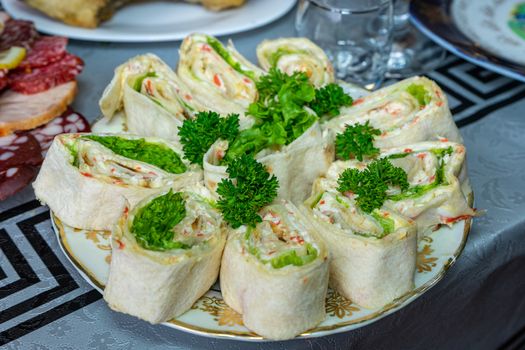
x=473, y=94
x=27, y=277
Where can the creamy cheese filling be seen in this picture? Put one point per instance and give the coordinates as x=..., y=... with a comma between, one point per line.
x=165, y=94
x=342, y=212
x=200, y=223
x=425, y=171
x=281, y=239
x=95, y=160
x=206, y=65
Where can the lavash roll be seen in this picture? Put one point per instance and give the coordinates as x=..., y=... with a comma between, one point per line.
x=277, y=302
x=155, y=101
x=218, y=75
x=296, y=165
x=373, y=255
x=157, y=286
x=86, y=184
x=400, y=115
x=445, y=203
x=296, y=55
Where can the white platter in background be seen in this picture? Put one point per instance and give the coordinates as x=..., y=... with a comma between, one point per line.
x=159, y=20
x=498, y=26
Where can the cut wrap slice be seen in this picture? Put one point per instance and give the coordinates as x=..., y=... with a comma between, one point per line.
x=155, y=101
x=373, y=255
x=435, y=194
x=436, y=173
x=86, y=178
x=296, y=165
x=296, y=54
x=412, y=110
x=276, y=274
x=166, y=254
x=218, y=75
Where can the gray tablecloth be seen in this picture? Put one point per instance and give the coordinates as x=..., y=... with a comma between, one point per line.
x=480, y=304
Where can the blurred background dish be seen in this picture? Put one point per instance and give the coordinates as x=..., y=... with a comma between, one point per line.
x=497, y=26
x=437, y=20
x=159, y=20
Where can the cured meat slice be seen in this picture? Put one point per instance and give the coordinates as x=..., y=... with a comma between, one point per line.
x=17, y=33
x=20, y=156
x=43, y=78
x=24, y=112
x=69, y=122
x=45, y=50
x=15, y=178
x=19, y=149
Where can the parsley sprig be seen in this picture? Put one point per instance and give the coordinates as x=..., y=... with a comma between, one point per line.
x=280, y=113
x=329, y=99
x=370, y=185
x=253, y=188
x=197, y=135
x=356, y=141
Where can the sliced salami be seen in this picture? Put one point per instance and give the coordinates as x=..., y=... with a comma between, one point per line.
x=20, y=156
x=68, y=122
x=15, y=179
x=43, y=78
x=19, y=149
x=17, y=33
x=45, y=50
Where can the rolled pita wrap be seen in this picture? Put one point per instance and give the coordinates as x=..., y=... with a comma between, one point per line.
x=154, y=100
x=296, y=165
x=373, y=255
x=412, y=110
x=435, y=194
x=276, y=274
x=219, y=75
x=86, y=178
x=296, y=55
x=166, y=254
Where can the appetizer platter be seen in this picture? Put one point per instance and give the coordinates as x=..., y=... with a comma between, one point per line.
x=37, y=84
x=259, y=202
x=173, y=20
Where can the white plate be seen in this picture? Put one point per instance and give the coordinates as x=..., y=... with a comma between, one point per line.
x=159, y=20
x=494, y=25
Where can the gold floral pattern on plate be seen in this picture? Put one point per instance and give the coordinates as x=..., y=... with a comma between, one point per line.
x=221, y=312
x=425, y=262
x=338, y=306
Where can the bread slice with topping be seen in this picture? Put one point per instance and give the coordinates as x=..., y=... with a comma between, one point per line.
x=24, y=112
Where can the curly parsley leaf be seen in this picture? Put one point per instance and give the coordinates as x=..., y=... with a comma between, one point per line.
x=356, y=141
x=153, y=224
x=329, y=99
x=253, y=188
x=371, y=184
x=197, y=135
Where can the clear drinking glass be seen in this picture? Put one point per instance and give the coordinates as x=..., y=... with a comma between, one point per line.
x=412, y=52
x=355, y=34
